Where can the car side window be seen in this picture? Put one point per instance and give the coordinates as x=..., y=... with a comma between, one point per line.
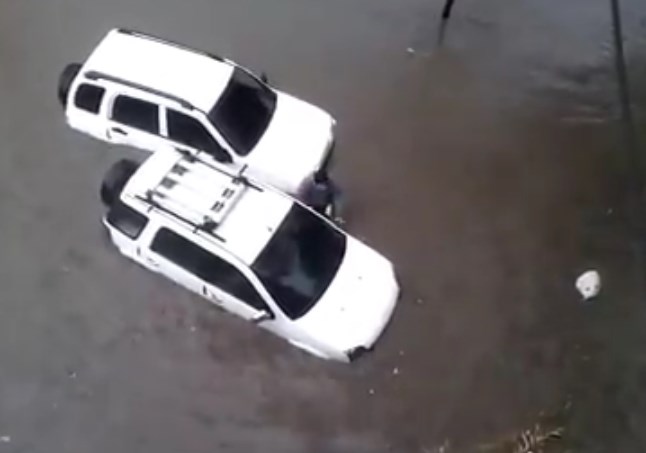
x=206, y=266
x=136, y=113
x=127, y=220
x=190, y=132
x=88, y=97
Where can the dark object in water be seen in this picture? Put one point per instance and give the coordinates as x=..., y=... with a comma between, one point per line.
x=446, y=12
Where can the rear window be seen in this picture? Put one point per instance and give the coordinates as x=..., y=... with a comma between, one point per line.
x=89, y=97
x=136, y=113
x=127, y=220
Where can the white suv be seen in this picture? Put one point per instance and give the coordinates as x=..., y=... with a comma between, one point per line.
x=142, y=91
x=251, y=250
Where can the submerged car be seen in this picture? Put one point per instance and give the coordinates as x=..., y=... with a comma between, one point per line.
x=253, y=251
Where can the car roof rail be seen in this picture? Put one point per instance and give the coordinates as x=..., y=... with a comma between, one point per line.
x=154, y=204
x=193, y=157
x=139, y=34
x=185, y=192
x=97, y=75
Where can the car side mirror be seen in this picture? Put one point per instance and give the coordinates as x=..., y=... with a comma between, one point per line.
x=264, y=78
x=262, y=315
x=223, y=157
x=220, y=154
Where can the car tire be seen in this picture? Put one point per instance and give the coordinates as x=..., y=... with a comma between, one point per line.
x=115, y=180
x=65, y=81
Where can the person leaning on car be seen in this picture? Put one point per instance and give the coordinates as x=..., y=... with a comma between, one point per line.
x=322, y=195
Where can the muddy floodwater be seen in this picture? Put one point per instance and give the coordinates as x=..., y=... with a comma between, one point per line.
x=485, y=159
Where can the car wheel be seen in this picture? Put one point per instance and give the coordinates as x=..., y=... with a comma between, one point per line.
x=65, y=81
x=115, y=180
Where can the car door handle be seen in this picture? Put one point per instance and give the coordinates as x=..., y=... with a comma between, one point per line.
x=210, y=296
x=183, y=151
x=118, y=130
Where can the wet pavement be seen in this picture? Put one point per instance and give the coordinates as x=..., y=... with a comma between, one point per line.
x=486, y=162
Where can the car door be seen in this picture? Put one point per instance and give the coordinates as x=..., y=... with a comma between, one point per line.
x=175, y=257
x=134, y=122
x=203, y=272
x=236, y=293
x=190, y=134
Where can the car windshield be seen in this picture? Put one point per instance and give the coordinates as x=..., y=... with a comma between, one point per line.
x=300, y=261
x=244, y=111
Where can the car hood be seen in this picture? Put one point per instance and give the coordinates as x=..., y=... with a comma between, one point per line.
x=294, y=145
x=360, y=301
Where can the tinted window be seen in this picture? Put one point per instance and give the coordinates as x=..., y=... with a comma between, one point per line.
x=89, y=97
x=244, y=111
x=136, y=113
x=188, y=131
x=300, y=261
x=206, y=266
x=127, y=220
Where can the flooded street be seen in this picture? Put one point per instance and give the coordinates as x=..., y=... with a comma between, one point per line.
x=485, y=160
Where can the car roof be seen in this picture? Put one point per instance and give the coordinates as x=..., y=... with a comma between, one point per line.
x=186, y=191
x=194, y=76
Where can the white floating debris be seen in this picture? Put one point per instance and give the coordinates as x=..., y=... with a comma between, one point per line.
x=395, y=371
x=193, y=329
x=589, y=284
x=5, y=439
x=371, y=391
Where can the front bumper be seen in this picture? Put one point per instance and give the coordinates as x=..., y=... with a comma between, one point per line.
x=326, y=165
x=354, y=353
x=358, y=351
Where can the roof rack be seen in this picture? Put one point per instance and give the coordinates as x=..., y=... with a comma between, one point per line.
x=194, y=157
x=150, y=37
x=192, y=193
x=97, y=75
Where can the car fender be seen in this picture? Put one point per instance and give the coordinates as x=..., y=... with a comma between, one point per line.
x=312, y=350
